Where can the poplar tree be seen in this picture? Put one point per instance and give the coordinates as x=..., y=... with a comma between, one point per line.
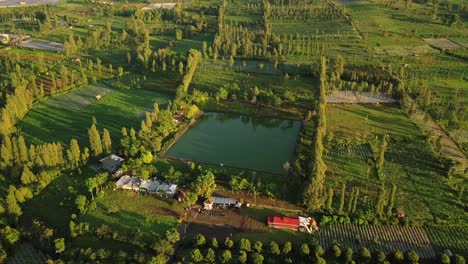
x=95, y=141
x=314, y=192
x=23, y=150
x=74, y=153
x=27, y=176
x=107, y=141
x=391, y=200
x=342, y=198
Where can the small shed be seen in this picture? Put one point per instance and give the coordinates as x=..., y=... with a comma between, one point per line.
x=220, y=202
x=111, y=163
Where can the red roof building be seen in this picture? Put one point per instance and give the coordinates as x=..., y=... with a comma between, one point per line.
x=283, y=222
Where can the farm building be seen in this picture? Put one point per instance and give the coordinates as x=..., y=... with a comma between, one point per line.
x=132, y=184
x=111, y=163
x=150, y=186
x=220, y=202
x=295, y=223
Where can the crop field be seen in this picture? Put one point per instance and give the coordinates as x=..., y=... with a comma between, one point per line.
x=308, y=20
x=423, y=191
x=145, y=217
x=246, y=13
x=211, y=79
x=442, y=43
x=26, y=253
x=339, y=27
x=69, y=116
x=376, y=19
x=58, y=197
x=384, y=238
x=453, y=237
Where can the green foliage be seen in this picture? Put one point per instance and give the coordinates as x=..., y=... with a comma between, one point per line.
x=412, y=257
x=80, y=203
x=305, y=251
x=196, y=255
x=225, y=256
x=59, y=244
x=244, y=245
x=204, y=185
x=258, y=246
x=200, y=240
x=210, y=256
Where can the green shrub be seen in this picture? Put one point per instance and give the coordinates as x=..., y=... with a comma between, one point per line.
x=365, y=254
x=444, y=259
x=398, y=256
x=336, y=251
x=459, y=259
x=412, y=257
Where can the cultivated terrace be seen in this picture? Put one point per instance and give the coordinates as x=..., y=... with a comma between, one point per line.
x=233, y=131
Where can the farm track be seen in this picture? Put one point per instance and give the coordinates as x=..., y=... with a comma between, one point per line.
x=449, y=147
x=379, y=237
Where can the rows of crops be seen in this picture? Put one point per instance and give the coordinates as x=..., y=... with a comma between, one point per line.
x=449, y=237
x=362, y=151
x=26, y=253
x=379, y=237
x=79, y=99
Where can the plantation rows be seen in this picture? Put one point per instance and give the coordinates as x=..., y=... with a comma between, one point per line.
x=362, y=151
x=26, y=253
x=379, y=237
x=79, y=99
x=449, y=237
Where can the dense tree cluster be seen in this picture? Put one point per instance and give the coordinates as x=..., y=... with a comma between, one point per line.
x=314, y=189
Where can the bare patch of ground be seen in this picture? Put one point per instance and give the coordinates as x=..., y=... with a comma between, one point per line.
x=42, y=45
x=220, y=223
x=442, y=43
x=159, y=6
x=351, y=97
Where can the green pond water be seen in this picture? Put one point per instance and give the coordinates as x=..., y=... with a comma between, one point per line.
x=261, y=144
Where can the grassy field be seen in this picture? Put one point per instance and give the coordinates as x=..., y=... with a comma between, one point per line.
x=68, y=116
x=147, y=218
x=58, y=197
x=410, y=164
x=374, y=19
x=211, y=79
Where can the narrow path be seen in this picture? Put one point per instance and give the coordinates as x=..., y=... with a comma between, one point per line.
x=450, y=149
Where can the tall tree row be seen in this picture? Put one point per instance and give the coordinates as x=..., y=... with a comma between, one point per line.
x=314, y=191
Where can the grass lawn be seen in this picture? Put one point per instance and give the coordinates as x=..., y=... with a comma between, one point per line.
x=374, y=19
x=210, y=78
x=58, y=197
x=422, y=190
x=68, y=116
x=145, y=217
